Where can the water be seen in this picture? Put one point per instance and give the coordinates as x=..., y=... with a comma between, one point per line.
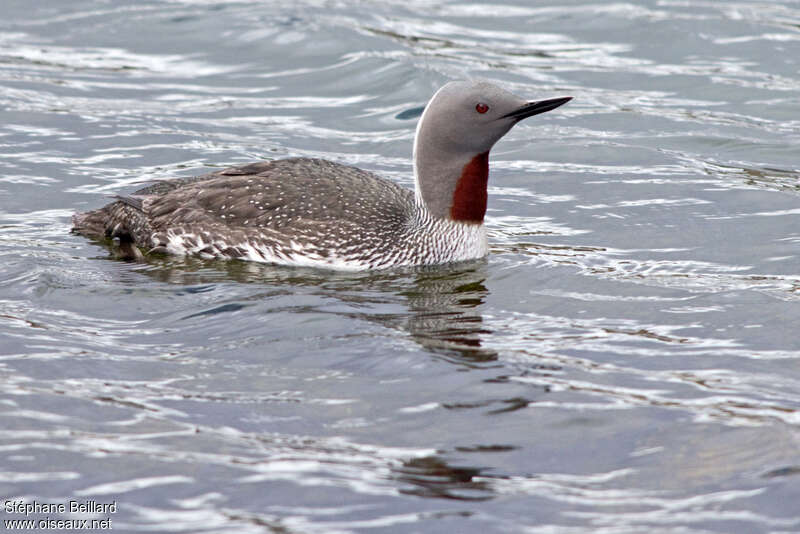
x=625, y=361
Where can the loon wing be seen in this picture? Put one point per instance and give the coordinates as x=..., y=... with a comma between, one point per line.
x=277, y=208
x=278, y=194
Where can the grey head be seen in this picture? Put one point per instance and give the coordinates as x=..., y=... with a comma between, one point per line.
x=459, y=126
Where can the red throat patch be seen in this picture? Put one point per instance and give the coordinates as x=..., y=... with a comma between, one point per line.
x=469, y=198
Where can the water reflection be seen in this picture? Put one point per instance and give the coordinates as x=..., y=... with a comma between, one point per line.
x=442, y=304
x=445, y=313
x=433, y=477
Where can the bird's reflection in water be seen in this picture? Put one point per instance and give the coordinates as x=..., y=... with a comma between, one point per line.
x=439, y=306
x=444, y=313
x=432, y=477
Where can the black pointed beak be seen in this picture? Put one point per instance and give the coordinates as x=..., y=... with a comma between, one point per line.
x=534, y=108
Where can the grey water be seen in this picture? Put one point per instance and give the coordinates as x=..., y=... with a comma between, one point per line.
x=626, y=360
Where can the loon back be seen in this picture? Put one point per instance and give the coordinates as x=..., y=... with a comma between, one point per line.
x=266, y=211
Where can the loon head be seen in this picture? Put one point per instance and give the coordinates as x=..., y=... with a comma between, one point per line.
x=458, y=128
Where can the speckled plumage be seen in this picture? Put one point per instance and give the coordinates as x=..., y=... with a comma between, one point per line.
x=297, y=211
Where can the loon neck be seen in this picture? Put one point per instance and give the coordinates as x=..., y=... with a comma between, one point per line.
x=469, y=197
x=452, y=187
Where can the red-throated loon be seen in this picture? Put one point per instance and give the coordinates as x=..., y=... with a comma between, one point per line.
x=313, y=212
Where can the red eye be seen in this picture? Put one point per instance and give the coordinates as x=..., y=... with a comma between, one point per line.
x=481, y=108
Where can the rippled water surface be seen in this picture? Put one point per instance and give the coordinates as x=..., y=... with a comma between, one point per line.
x=627, y=360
